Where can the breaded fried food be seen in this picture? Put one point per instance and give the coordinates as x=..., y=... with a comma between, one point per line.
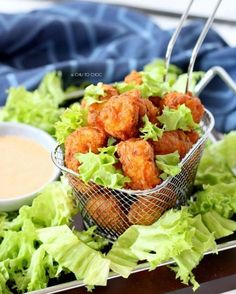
x=174, y=99
x=105, y=210
x=81, y=141
x=94, y=111
x=147, y=107
x=109, y=91
x=137, y=159
x=145, y=211
x=134, y=77
x=120, y=115
x=172, y=141
x=193, y=136
x=156, y=101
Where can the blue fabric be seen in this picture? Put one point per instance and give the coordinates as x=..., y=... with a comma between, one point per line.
x=94, y=41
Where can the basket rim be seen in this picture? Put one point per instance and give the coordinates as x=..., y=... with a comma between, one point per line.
x=158, y=187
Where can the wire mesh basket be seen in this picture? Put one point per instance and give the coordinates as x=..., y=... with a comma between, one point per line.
x=114, y=210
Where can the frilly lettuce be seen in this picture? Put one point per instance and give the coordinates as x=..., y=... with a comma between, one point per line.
x=71, y=119
x=152, y=77
x=150, y=130
x=218, y=225
x=180, y=83
x=176, y=235
x=100, y=168
x=91, y=239
x=55, y=205
x=92, y=93
x=220, y=198
x=39, y=108
x=86, y=263
x=180, y=118
x=169, y=164
x=218, y=162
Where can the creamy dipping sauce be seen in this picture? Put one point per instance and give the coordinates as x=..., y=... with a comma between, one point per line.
x=25, y=166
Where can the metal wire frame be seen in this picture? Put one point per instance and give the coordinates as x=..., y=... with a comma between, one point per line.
x=114, y=210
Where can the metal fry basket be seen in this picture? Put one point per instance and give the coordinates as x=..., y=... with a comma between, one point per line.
x=114, y=210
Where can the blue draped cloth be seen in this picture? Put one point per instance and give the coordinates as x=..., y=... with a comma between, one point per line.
x=93, y=42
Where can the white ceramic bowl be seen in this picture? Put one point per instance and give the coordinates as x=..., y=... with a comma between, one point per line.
x=39, y=136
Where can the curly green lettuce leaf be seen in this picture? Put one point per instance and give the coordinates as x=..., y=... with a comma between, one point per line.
x=150, y=130
x=51, y=87
x=92, y=93
x=220, y=198
x=159, y=65
x=180, y=118
x=169, y=164
x=72, y=118
x=176, y=235
x=55, y=205
x=180, y=84
x=91, y=239
x=70, y=252
x=39, y=108
x=218, y=162
x=218, y=225
x=4, y=277
x=100, y=168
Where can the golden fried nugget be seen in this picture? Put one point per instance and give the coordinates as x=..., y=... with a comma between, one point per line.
x=172, y=141
x=174, y=99
x=193, y=136
x=134, y=77
x=156, y=101
x=137, y=159
x=145, y=211
x=147, y=107
x=109, y=91
x=120, y=116
x=106, y=211
x=94, y=111
x=81, y=141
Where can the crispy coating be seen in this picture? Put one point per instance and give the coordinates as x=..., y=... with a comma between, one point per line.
x=120, y=115
x=174, y=99
x=137, y=159
x=94, y=111
x=193, y=136
x=109, y=91
x=145, y=211
x=81, y=141
x=172, y=141
x=147, y=107
x=156, y=101
x=107, y=213
x=134, y=77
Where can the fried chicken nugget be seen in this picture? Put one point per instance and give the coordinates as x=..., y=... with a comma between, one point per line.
x=94, y=111
x=173, y=99
x=106, y=211
x=137, y=159
x=145, y=211
x=109, y=91
x=134, y=77
x=147, y=107
x=81, y=141
x=120, y=115
x=193, y=136
x=172, y=141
